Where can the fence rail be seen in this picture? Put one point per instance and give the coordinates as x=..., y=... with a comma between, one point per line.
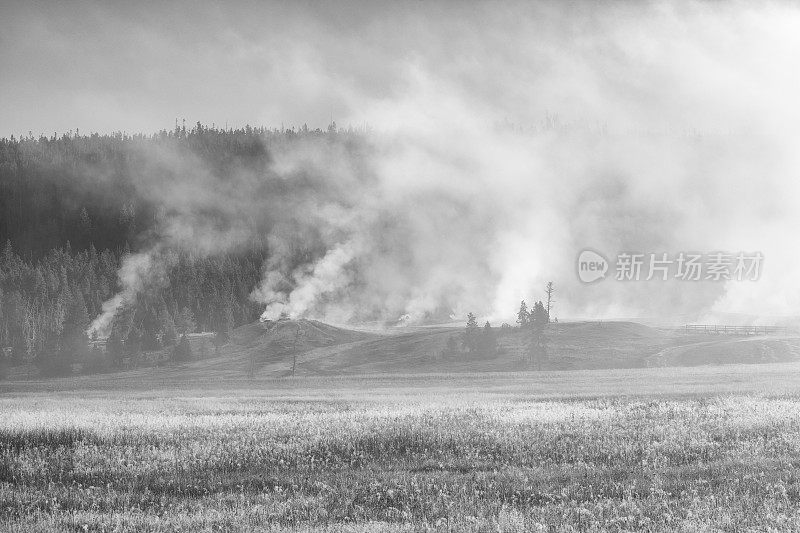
x=718, y=329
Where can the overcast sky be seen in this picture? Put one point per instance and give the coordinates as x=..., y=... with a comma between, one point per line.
x=136, y=66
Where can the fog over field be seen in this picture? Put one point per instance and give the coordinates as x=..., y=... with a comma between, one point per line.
x=499, y=140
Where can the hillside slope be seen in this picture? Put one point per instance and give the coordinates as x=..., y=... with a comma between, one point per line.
x=271, y=349
x=313, y=348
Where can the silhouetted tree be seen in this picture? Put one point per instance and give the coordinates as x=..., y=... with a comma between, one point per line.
x=539, y=317
x=470, y=340
x=523, y=317
x=537, y=347
x=550, y=290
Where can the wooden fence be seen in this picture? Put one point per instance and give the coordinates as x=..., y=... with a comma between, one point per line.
x=717, y=329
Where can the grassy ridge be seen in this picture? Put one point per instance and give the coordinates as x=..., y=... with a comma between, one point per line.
x=385, y=459
x=325, y=350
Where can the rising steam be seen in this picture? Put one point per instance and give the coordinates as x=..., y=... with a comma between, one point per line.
x=505, y=140
x=308, y=285
x=136, y=270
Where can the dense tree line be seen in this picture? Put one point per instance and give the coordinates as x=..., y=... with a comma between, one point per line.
x=46, y=304
x=83, y=188
x=72, y=206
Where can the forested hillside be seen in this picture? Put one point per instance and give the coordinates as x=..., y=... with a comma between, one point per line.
x=47, y=304
x=87, y=189
x=72, y=207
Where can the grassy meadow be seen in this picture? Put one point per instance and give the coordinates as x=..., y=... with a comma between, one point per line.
x=525, y=452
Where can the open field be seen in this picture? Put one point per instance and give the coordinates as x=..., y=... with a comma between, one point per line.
x=660, y=449
x=377, y=432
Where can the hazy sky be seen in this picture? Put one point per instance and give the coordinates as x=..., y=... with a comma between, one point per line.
x=136, y=66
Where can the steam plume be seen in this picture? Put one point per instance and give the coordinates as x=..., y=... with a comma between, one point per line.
x=504, y=140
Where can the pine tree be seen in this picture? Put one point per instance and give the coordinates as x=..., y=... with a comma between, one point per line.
x=470, y=340
x=523, y=317
x=537, y=348
x=550, y=290
x=539, y=317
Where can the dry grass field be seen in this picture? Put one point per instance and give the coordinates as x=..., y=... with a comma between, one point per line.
x=662, y=449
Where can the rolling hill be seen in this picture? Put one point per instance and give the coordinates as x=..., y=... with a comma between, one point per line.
x=271, y=349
